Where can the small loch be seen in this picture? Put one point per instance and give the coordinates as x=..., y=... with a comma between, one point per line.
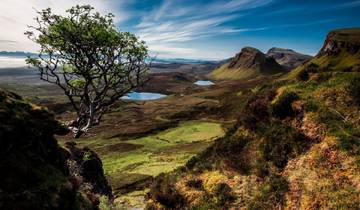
x=143, y=96
x=204, y=83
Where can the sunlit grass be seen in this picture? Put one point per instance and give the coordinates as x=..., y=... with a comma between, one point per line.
x=153, y=154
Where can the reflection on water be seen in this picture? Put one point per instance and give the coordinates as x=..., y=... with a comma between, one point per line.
x=143, y=96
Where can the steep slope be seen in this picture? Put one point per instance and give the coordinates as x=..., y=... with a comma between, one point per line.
x=287, y=57
x=295, y=145
x=35, y=172
x=340, y=52
x=247, y=64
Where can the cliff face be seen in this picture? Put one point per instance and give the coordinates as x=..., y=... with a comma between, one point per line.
x=247, y=64
x=340, y=53
x=34, y=170
x=251, y=58
x=287, y=57
x=338, y=40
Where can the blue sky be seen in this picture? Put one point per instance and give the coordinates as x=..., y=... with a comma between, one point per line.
x=215, y=29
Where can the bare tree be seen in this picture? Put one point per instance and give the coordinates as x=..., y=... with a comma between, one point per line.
x=89, y=59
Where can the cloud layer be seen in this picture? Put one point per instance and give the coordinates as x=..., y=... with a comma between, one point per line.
x=16, y=15
x=173, y=23
x=211, y=29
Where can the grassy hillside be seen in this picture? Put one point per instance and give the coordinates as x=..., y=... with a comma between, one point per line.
x=225, y=73
x=296, y=143
x=131, y=163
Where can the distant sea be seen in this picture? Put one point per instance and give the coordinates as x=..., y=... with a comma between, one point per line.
x=12, y=62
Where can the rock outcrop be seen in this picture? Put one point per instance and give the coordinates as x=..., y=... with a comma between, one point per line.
x=342, y=39
x=247, y=64
x=86, y=167
x=340, y=53
x=34, y=169
x=288, y=58
x=251, y=58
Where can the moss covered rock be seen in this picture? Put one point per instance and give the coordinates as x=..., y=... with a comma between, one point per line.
x=33, y=168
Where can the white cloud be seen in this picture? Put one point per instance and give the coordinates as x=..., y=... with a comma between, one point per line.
x=167, y=29
x=173, y=23
x=16, y=15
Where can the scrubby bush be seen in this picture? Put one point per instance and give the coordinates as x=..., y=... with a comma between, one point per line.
x=256, y=110
x=270, y=194
x=229, y=149
x=164, y=192
x=312, y=68
x=194, y=183
x=303, y=75
x=281, y=106
x=280, y=143
x=223, y=194
x=353, y=89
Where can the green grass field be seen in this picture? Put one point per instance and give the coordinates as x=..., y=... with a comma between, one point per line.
x=133, y=160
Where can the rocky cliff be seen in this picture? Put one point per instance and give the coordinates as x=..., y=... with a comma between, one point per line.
x=340, y=53
x=35, y=172
x=247, y=64
x=288, y=58
x=341, y=40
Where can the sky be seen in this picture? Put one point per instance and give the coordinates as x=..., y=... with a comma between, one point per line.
x=199, y=29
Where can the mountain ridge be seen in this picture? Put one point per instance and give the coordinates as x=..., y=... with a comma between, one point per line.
x=288, y=58
x=247, y=64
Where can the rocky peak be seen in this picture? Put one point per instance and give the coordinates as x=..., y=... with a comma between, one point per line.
x=342, y=39
x=288, y=58
x=252, y=58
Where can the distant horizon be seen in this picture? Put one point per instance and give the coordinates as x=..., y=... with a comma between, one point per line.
x=206, y=30
x=174, y=58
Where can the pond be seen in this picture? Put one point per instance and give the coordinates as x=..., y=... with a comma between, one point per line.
x=204, y=83
x=142, y=96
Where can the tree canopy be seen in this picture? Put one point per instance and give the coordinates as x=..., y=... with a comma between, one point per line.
x=89, y=59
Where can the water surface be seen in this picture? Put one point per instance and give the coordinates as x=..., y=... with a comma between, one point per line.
x=204, y=83
x=143, y=96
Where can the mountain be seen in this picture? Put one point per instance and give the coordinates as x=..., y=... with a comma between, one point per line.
x=340, y=53
x=36, y=173
x=287, y=57
x=247, y=64
x=295, y=144
x=341, y=41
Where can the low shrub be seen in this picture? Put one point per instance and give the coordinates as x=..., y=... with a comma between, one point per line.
x=312, y=68
x=353, y=89
x=163, y=191
x=256, y=110
x=270, y=194
x=281, y=106
x=280, y=143
x=223, y=194
x=302, y=75
x=194, y=183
